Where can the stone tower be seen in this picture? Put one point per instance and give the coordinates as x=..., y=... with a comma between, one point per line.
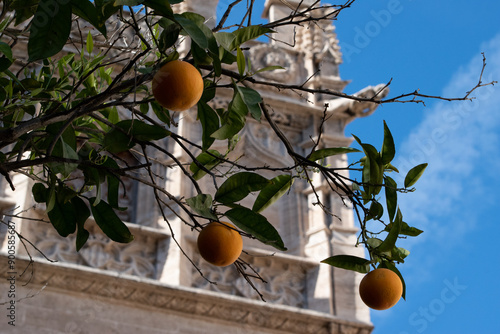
x=150, y=286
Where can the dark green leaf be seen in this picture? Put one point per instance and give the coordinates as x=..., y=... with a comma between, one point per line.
x=143, y=131
x=202, y=204
x=63, y=216
x=257, y=225
x=388, y=147
x=192, y=29
x=87, y=11
x=406, y=230
x=234, y=120
x=376, y=210
x=208, y=160
x=414, y=174
x=238, y=186
x=252, y=99
x=113, y=181
x=327, y=152
x=82, y=214
x=128, y=2
x=209, y=123
x=6, y=50
x=50, y=29
x=391, y=238
x=40, y=193
x=126, y=132
x=169, y=35
x=278, y=187
x=349, y=262
x=160, y=112
x=245, y=34
x=161, y=7
x=391, y=196
x=110, y=223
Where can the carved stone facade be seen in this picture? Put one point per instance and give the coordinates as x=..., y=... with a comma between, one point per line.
x=149, y=286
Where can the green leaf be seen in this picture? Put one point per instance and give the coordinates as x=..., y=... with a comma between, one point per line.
x=50, y=29
x=238, y=186
x=126, y=132
x=40, y=193
x=6, y=50
x=209, y=123
x=161, y=7
x=373, y=242
x=225, y=39
x=169, y=35
x=128, y=2
x=65, y=147
x=245, y=34
x=202, y=204
x=87, y=11
x=406, y=230
x=234, y=120
x=208, y=160
x=90, y=43
x=252, y=99
x=376, y=210
x=388, y=147
x=372, y=166
x=110, y=223
x=278, y=187
x=391, y=197
x=414, y=174
x=63, y=216
x=349, y=262
x=373, y=173
x=257, y=225
x=327, y=152
x=240, y=60
x=269, y=68
x=192, y=29
x=113, y=181
x=391, y=238
x=82, y=214
x=160, y=112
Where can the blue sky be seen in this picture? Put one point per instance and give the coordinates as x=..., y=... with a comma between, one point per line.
x=435, y=46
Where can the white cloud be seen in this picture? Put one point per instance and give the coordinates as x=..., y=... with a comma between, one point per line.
x=461, y=143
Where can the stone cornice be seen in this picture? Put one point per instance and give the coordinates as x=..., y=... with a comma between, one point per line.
x=150, y=293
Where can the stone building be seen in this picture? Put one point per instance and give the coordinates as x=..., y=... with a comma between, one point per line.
x=149, y=286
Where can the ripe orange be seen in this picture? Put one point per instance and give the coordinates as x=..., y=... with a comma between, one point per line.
x=219, y=244
x=177, y=85
x=381, y=289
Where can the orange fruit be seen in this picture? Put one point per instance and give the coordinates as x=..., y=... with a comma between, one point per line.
x=381, y=289
x=177, y=85
x=219, y=244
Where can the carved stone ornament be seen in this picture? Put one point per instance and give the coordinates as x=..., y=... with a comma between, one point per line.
x=284, y=282
x=202, y=306
x=264, y=55
x=137, y=258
